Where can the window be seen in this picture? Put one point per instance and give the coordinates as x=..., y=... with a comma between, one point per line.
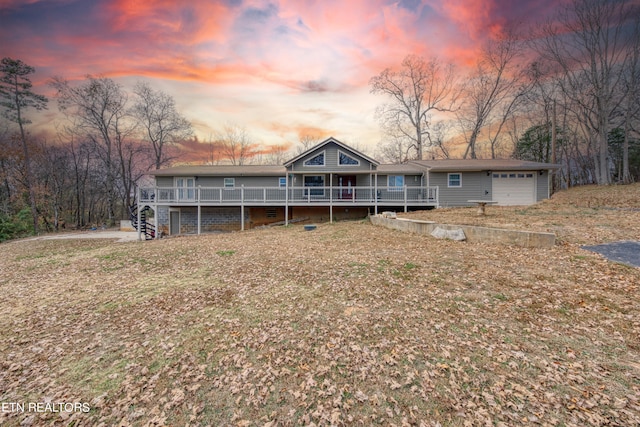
x=229, y=182
x=455, y=180
x=186, y=188
x=346, y=160
x=395, y=181
x=522, y=175
x=314, y=181
x=282, y=181
x=315, y=161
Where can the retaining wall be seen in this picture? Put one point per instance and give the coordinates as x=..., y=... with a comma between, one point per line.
x=528, y=239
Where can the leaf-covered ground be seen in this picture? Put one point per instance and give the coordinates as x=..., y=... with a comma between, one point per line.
x=349, y=324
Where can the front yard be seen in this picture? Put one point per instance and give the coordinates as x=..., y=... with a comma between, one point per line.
x=347, y=324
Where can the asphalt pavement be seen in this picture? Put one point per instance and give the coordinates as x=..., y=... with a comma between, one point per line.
x=626, y=252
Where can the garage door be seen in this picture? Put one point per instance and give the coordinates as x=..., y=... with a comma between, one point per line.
x=514, y=188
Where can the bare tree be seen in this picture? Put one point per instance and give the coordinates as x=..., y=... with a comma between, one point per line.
x=237, y=145
x=305, y=143
x=416, y=91
x=96, y=109
x=394, y=149
x=492, y=94
x=80, y=165
x=159, y=120
x=6, y=148
x=439, y=147
x=214, y=151
x=276, y=155
x=131, y=159
x=631, y=79
x=56, y=181
x=15, y=97
x=589, y=45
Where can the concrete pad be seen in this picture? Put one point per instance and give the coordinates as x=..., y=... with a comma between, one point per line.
x=121, y=236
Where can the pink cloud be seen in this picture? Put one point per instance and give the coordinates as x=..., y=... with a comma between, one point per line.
x=242, y=61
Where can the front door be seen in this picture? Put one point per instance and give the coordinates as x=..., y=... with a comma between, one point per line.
x=347, y=182
x=174, y=222
x=186, y=188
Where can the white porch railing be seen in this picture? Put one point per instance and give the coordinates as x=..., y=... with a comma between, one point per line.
x=279, y=196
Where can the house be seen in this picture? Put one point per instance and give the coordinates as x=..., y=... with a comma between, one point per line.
x=508, y=182
x=328, y=182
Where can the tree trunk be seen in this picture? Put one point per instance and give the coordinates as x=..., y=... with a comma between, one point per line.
x=27, y=170
x=605, y=175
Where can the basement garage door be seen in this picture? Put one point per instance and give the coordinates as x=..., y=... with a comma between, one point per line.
x=514, y=188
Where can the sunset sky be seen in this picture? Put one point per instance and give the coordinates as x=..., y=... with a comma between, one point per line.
x=280, y=68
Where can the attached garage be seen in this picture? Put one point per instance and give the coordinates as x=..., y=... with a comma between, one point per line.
x=512, y=188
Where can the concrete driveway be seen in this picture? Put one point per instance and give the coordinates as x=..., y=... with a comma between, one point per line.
x=121, y=236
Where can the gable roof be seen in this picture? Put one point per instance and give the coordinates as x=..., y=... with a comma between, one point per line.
x=471, y=165
x=329, y=141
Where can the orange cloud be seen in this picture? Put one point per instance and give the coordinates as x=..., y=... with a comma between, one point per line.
x=300, y=131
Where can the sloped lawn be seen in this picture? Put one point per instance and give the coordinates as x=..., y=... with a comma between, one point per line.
x=347, y=324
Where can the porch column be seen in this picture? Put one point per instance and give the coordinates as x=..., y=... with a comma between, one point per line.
x=286, y=199
x=375, y=193
x=139, y=227
x=330, y=198
x=199, y=210
x=242, y=208
x=199, y=218
x=405, y=198
x=155, y=221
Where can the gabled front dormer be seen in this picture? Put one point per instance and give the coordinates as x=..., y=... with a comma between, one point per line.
x=331, y=155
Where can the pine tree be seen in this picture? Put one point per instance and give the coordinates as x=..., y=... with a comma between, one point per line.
x=15, y=97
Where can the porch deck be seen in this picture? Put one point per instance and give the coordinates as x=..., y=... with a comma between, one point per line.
x=293, y=196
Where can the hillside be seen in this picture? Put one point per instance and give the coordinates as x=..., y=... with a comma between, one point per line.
x=349, y=324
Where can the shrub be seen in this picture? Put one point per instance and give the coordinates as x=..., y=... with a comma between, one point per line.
x=13, y=227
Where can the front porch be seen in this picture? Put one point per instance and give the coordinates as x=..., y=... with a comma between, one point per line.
x=196, y=203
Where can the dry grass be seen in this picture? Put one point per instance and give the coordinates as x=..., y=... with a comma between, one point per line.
x=583, y=215
x=348, y=324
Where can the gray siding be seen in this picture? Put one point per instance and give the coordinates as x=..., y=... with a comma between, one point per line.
x=246, y=181
x=542, y=186
x=474, y=186
x=330, y=161
x=218, y=181
x=164, y=181
x=409, y=180
x=364, y=180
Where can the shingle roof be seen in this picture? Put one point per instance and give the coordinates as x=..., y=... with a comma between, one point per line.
x=482, y=164
x=407, y=168
x=221, y=170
